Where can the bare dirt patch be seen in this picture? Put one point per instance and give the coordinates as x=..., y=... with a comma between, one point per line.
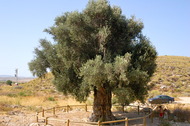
x=184, y=100
x=24, y=118
x=16, y=118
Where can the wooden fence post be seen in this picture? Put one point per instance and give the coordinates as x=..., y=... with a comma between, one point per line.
x=99, y=123
x=43, y=113
x=138, y=109
x=86, y=108
x=46, y=121
x=53, y=110
x=144, y=121
x=67, y=108
x=68, y=121
x=37, y=117
x=126, y=121
x=152, y=117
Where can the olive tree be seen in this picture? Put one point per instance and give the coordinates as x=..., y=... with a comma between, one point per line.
x=97, y=50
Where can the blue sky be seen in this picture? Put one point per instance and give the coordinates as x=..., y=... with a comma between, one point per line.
x=166, y=24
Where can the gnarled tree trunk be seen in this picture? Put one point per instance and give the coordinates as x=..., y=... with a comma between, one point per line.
x=102, y=105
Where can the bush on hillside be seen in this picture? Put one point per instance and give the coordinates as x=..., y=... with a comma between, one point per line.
x=9, y=82
x=182, y=114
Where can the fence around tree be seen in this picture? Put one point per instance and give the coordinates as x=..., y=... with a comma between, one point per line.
x=68, y=122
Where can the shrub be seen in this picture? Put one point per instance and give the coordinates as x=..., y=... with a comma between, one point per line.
x=182, y=114
x=179, y=112
x=9, y=82
x=25, y=93
x=165, y=123
x=12, y=95
x=51, y=99
x=22, y=94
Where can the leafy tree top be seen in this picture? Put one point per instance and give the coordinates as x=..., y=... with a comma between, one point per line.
x=98, y=47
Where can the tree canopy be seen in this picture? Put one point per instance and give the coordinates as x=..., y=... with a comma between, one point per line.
x=98, y=48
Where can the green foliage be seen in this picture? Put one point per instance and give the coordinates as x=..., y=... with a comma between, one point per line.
x=122, y=96
x=165, y=123
x=98, y=47
x=11, y=95
x=24, y=93
x=44, y=56
x=9, y=82
x=96, y=72
x=51, y=99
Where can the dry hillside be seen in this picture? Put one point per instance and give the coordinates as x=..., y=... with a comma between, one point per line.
x=172, y=76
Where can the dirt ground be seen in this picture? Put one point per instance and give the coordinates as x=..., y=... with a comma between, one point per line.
x=184, y=100
x=29, y=119
x=22, y=118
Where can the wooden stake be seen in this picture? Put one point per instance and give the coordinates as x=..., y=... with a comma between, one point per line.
x=37, y=117
x=138, y=110
x=53, y=110
x=86, y=108
x=43, y=113
x=68, y=121
x=99, y=123
x=46, y=121
x=126, y=121
x=144, y=121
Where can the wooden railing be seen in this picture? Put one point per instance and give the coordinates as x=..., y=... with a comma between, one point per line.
x=126, y=120
x=68, y=122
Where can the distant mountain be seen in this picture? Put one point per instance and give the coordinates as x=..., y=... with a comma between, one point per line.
x=6, y=76
x=12, y=78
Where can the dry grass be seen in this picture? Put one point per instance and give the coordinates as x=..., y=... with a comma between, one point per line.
x=33, y=96
x=33, y=103
x=40, y=93
x=172, y=73
x=179, y=112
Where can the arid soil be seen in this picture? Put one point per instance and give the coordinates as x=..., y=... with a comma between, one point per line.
x=184, y=100
x=24, y=118
x=28, y=119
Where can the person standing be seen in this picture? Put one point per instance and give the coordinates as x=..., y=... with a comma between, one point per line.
x=161, y=112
